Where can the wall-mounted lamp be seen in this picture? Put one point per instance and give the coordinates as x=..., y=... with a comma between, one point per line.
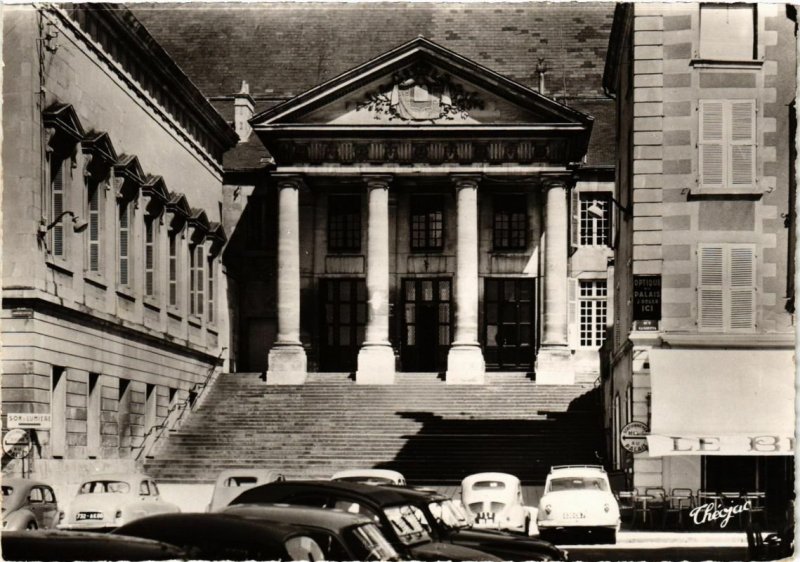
x=597, y=211
x=78, y=224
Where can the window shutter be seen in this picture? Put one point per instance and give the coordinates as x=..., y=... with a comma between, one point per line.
x=742, y=146
x=712, y=154
x=58, y=208
x=575, y=218
x=573, y=320
x=742, y=288
x=710, y=288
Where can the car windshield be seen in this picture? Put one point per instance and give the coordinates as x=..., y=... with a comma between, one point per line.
x=374, y=544
x=240, y=481
x=105, y=487
x=7, y=491
x=450, y=514
x=409, y=523
x=374, y=480
x=578, y=483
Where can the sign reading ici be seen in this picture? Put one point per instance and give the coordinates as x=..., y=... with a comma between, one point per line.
x=646, y=301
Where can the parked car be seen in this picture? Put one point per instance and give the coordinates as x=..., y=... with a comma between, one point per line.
x=342, y=536
x=57, y=546
x=494, y=500
x=220, y=536
x=578, y=498
x=106, y=501
x=453, y=524
x=230, y=484
x=28, y=505
x=376, y=476
x=403, y=523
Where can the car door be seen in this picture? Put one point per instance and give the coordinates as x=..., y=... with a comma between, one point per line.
x=146, y=505
x=49, y=508
x=36, y=505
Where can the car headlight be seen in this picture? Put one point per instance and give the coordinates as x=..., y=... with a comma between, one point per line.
x=548, y=509
x=606, y=508
x=5, y=523
x=118, y=515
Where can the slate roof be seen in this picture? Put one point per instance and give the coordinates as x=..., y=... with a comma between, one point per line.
x=284, y=49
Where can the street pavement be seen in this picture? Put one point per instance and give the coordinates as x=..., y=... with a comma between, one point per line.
x=658, y=546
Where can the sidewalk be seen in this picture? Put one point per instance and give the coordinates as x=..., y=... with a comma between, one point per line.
x=737, y=538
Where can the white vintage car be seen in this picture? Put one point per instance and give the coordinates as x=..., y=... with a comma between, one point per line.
x=374, y=476
x=232, y=482
x=494, y=500
x=106, y=501
x=578, y=498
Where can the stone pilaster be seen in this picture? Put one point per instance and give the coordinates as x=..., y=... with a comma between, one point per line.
x=554, y=360
x=465, y=364
x=376, y=357
x=287, y=358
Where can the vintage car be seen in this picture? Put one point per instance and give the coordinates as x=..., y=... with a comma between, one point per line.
x=403, y=523
x=578, y=498
x=494, y=500
x=106, y=501
x=342, y=536
x=230, y=483
x=220, y=536
x=376, y=476
x=28, y=505
x=63, y=546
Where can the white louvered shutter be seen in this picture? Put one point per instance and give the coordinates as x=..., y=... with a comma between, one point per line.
x=742, y=147
x=741, y=290
x=57, y=203
x=710, y=290
x=574, y=320
x=712, y=143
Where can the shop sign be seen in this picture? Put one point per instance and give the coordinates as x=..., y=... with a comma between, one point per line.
x=634, y=437
x=17, y=443
x=663, y=445
x=28, y=421
x=647, y=299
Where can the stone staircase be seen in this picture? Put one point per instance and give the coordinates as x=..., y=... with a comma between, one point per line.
x=434, y=433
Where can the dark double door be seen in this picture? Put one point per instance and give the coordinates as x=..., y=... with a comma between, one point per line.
x=427, y=324
x=343, y=323
x=510, y=329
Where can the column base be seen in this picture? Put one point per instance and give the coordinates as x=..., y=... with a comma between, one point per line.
x=287, y=364
x=554, y=366
x=375, y=364
x=465, y=365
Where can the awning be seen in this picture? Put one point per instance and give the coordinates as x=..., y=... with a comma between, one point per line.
x=722, y=402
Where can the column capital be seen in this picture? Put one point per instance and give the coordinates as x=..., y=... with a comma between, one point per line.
x=288, y=181
x=462, y=181
x=377, y=181
x=549, y=183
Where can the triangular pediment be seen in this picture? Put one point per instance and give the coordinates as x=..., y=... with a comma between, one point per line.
x=419, y=83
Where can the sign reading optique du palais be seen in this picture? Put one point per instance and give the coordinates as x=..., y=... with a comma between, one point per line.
x=646, y=302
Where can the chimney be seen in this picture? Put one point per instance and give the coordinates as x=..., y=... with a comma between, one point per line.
x=243, y=108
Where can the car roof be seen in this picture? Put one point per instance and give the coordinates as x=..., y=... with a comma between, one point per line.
x=577, y=470
x=393, y=474
x=497, y=476
x=121, y=476
x=332, y=519
x=52, y=544
x=21, y=482
x=379, y=495
x=266, y=473
x=195, y=524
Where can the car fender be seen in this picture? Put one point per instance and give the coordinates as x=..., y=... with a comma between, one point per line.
x=18, y=520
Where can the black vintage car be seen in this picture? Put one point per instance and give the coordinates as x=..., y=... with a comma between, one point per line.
x=402, y=521
x=58, y=546
x=215, y=536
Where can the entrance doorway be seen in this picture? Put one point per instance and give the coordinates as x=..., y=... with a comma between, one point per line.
x=510, y=323
x=427, y=317
x=344, y=319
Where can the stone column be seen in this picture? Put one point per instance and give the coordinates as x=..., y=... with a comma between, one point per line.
x=553, y=362
x=465, y=363
x=376, y=357
x=287, y=358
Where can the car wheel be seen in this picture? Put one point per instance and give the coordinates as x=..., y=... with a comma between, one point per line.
x=32, y=526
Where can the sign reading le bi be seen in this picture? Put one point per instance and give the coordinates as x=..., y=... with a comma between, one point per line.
x=17, y=443
x=634, y=437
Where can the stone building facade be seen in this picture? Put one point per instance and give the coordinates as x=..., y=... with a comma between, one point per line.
x=113, y=288
x=701, y=350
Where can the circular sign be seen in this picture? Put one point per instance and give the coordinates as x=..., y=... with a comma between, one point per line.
x=17, y=443
x=634, y=437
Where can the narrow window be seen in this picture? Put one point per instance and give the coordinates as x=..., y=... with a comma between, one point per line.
x=727, y=31
x=510, y=222
x=595, y=223
x=173, y=269
x=344, y=223
x=211, y=264
x=150, y=258
x=57, y=195
x=427, y=223
x=593, y=312
x=96, y=200
x=124, y=242
x=196, y=281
